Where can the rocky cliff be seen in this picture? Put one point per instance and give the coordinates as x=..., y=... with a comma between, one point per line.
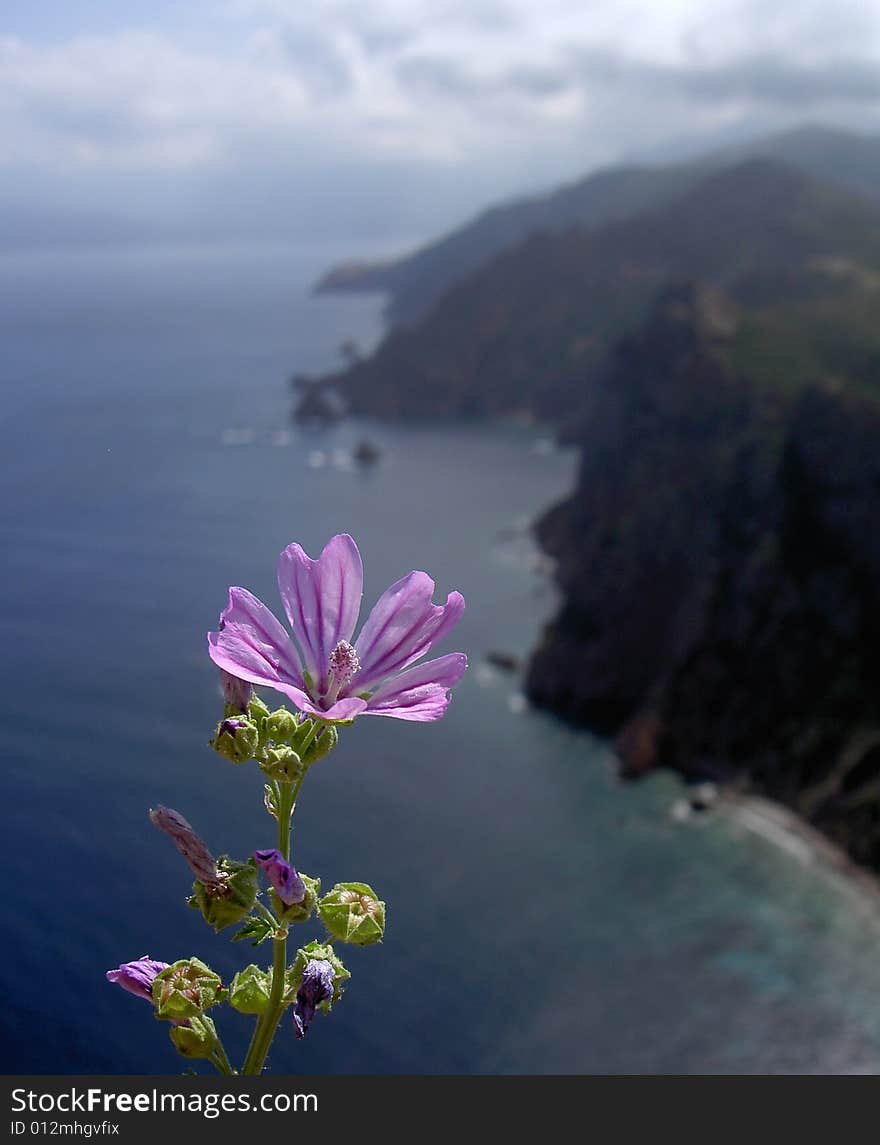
x=720, y=566
x=526, y=333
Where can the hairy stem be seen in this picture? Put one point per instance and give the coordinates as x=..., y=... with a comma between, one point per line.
x=268, y=1021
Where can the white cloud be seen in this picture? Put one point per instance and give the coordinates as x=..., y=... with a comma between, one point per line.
x=537, y=92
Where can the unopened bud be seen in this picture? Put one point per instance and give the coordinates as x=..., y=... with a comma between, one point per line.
x=237, y=739
x=196, y=1039
x=282, y=763
x=281, y=725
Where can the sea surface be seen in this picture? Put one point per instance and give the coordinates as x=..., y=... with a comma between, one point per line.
x=542, y=917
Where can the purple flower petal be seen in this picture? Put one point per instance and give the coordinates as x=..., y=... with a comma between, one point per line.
x=345, y=709
x=322, y=599
x=252, y=645
x=282, y=876
x=403, y=626
x=138, y=977
x=420, y=693
x=318, y=668
x=193, y=848
x=316, y=987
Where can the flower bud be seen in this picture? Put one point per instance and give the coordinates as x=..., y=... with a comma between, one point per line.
x=282, y=763
x=249, y=991
x=281, y=725
x=185, y=989
x=196, y=1039
x=353, y=913
x=230, y=898
x=236, y=738
x=194, y=849
x=282, y=876
x=236, y=693
x=138, y=977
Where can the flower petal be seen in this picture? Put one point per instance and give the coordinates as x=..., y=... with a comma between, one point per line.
x=403, y=626
x=420, y=693
x=322, y=599
x=345, y=709
x=252, y=645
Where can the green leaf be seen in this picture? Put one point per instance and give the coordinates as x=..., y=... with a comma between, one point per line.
x=255, y=928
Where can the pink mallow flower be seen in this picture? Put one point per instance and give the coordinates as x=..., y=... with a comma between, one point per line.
x=319, y=668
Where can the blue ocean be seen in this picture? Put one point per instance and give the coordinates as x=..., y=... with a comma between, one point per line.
x=542, y=917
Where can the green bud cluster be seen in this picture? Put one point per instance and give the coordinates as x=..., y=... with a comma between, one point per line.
x=284, y=743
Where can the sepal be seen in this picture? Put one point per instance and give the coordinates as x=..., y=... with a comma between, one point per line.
x=186, y=989
x=231, y=899
x=249, y=991
x=352, y=912
x=197, y=1039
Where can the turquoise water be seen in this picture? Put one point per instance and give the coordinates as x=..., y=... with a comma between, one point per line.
x=542, y=918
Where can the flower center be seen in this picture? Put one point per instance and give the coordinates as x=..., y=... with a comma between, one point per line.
x=344, y=664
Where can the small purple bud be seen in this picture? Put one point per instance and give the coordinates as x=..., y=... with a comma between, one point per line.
x=138, y=977
x=199, y=859
x=316, y=987
x=284, y=879
x=236, y=693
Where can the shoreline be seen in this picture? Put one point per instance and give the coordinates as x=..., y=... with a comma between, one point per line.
x=785, y=829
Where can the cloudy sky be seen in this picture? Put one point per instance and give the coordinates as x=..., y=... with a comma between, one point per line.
x=385, y=119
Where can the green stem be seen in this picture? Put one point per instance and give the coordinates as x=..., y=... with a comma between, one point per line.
x=268, y=1021
x=309, y=738
x=221, y=1061
x=267, y=914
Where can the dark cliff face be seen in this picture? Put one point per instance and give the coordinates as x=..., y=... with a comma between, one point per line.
x=720, y=564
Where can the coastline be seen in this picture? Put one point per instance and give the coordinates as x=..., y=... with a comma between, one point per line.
x=785, y=829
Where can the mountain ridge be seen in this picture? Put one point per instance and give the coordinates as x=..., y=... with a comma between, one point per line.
x=416, y=281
